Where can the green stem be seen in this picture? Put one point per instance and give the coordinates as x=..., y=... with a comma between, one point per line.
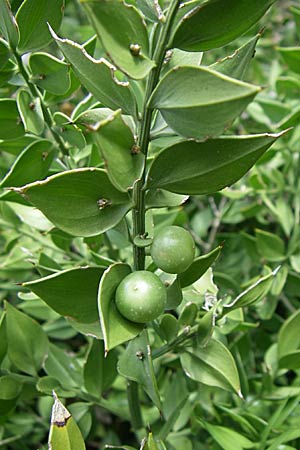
x=134, y=405
x=144, y=135
x=36, y=94
x=188, y=333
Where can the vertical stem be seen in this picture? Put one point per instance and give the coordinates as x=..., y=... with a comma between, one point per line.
x=134, y=406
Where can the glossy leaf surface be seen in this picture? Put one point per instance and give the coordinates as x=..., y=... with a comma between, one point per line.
x=207, y=109
x=217, y=22
x=206, y=167
x=198, y=267
x=81, y=202
x=71, y=293
x=129, y=48
x=115, y=328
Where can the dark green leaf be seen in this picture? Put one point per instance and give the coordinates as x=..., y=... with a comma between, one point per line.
x=270, y=246
x=198, y=267
x=217, y=22
x=207, y=109
x=32, y=18
x=50, y=73
x=228, y=438
x=11, y=123
x=32, y=164
x=31, y=112
x=205, y=167
x=4, y=54
x=115, y=328
x=8, y=25
x=10, y=390
x=213, y=365
x=129, y=49
x=81, y=202
x=71, y=293
x=289, y=342
x=291, y=56
x=64, y=367
x=3, y=338
x=159, y=198
x=123, y=160
x=27, y=342
x=98, y=76
x=136, y=364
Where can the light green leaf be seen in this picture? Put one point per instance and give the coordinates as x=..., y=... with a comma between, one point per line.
x=10, y=390
x=49, y=73
x=217, y=22
x=159, y=198
x=213, y=365
x=253, y=293
x=198, y=267
x=64, y=367
x=115, y=328
x=33, y=163
x=4, y=54
x=182, y=58
x=124, y=161
x=123, y=35
x=207, y=109
x=98, y=76
x=270, y=246
x=237, y=64
x=227, y=438
x=31, y=112
x=71, y=292
x=136, y=364
x=11, y=124
x=32, y=18
x=64, y=432
x=286, y=436
x=81, y=202
x=8, y=25
x=206, y=167
x=289, y=342
x=291, y=56
x=27, y=342
x=99, y=371
x=69, y=132
x=151, y=9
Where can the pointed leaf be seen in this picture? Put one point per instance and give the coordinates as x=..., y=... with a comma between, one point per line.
x=228, y=438
x=213, y=365
x=10, y=389
x=207, y=109
x=206, y=167
x=215, y=23
x=123, y=160
x=270, y=246
x=291, y=56
x=198, y=267
x=98, y=76
x=49, y=73
x=129, y=47
x=64, y=432
x=237, y=64
x=27, y=342
x=159, y=198
x=8, y=25
x=115, y=328
x=289, y=342
x=31, y=112
x=71, y=293
x=11, y=123
x=32, y=18
x=81, y=202
x=136, y=364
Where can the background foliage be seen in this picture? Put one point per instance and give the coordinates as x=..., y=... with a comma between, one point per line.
x=256, y=222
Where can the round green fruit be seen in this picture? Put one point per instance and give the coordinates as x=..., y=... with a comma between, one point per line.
x=141, y=297
x=173, y=249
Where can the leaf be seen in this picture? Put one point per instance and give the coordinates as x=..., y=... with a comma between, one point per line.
x=115, y=328
x=3, y=338
x=69, y=132
x=32, y=18
x=286, y=436
x=71, y=292
x=182, y=58
x=49, y=73
x=136, y=364
x=198, y=267
x=11, y=124
x=237, y=64
x=227, y=438
x=33, y=163
x=31, y=112
x=8, y=25
x=10, y=390
x=159, y=198
x=81, y=202
x=99, y=372
x=27, y=342
x=215, y=23
x=129, y=47
x=64, y=367
x=289, y=342
x=64, y=433
x=213, y=365
x=253, y=293
x=291, y=56
x=270, y=246
x=151, y=9
x=207, y=109
x=4, y=54
x=98, y=76
x=124, y=161
x=206, y=167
